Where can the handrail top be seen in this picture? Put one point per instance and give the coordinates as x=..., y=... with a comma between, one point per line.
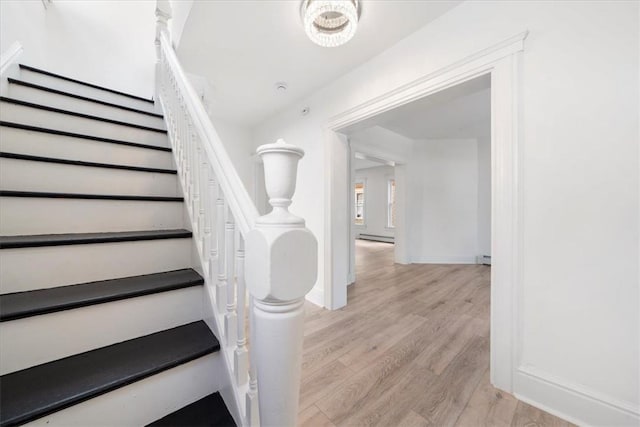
x=238, y=199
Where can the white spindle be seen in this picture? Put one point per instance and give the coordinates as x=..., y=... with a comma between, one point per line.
x=252, y=394
x=204, y=197
x=230, y=321
x=195, y=208
x=213, y=245
x=221, y=285
x=241, y=356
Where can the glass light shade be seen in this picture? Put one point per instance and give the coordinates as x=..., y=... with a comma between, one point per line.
x=330, y=23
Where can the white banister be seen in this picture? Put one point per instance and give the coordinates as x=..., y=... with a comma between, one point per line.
x=281, y=268
x=275, y=259
x=240, y=203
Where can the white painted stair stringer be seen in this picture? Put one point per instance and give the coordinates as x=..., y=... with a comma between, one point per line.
x=30, y=268
x=27, y=175
x=39, y=339
x=64, y=102
x=69, y=123
x=43, y=144
x=41, y=215
x=83, y=90
x=145, y=401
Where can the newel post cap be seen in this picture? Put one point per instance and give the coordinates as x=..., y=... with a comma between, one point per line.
x=281, y=261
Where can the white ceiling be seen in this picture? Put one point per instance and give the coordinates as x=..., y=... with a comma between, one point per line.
x=243, y=48
x=463, y=111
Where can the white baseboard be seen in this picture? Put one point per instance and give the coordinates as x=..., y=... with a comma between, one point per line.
x=572, y=402
x=463, y=259
x=316, y=296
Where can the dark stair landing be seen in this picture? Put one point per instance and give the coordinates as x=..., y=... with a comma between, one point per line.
x=209, y=411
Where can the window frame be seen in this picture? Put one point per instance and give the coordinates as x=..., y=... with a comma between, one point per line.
x=362, y=181
x=391, y=204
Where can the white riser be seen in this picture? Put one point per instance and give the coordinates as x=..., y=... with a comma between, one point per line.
x=42, y=176
x=38, y=96
x=42, y=118
x=145, y=401
x=26, y=215
x=40, y=339
x=78, y=89
x=63, y=147
x=26, y=269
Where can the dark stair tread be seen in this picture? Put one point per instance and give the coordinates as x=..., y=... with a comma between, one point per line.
x=29, y=157
x=69, y=79
x=80, y=97
x=19, y=305
x=209, y=411
x=80, y=136
x=31, y=241
x=34, y=392
x=49, y=195
x=76, y=114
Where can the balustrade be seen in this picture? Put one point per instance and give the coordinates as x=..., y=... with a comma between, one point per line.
x=271, y=260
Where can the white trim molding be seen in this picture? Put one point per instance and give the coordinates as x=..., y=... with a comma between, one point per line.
x=9, y=57
x=436, y=81
x=502, y=62
x=550, y=393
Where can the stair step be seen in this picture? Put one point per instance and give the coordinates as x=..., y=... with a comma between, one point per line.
x=14, y=242
x=35, y=392
x=23, y=174
x=69, y=79
x=35, y=114
x=32, y=303
x=80, y=136
x=208, y=411
x=48, y=195
x=76, y=114
x=89, y=263
x=83, y=98
x=87, y=103
x=31, y=158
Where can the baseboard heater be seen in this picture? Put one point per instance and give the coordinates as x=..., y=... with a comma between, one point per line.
x=376, y=238
x=483, y=259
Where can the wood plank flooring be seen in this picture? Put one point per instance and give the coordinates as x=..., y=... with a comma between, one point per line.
x=410, y=349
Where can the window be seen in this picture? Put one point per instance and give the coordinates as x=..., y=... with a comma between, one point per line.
x=391, y=203
x=359, y=203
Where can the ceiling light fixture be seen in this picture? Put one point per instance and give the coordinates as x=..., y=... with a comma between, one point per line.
x=330, y=23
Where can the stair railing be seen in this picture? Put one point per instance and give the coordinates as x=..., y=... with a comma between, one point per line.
x=275, y=253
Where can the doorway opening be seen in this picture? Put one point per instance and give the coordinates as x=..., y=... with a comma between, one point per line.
x=421, y=178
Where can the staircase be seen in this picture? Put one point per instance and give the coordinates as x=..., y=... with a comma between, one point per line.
x=102, y=312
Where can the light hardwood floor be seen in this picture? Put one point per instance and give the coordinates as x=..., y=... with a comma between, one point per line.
x=410, y=349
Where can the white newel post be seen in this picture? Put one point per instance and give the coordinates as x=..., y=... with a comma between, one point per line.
x=280, y=268
x=163, y=14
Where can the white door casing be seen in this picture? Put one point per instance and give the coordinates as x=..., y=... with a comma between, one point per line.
x=502, y=62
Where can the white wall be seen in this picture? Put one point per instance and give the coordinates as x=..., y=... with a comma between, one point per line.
x=180, y=10
x=375, y=196
x=237, y=141
x=443, y=201
x=578, y=334
x=103, y=42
